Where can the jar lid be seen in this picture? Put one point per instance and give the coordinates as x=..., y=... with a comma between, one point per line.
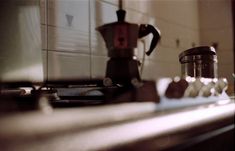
x=202, y=50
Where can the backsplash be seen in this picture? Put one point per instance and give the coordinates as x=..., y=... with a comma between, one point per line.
x=216, y=27
x=20, y=40
x=72, y=48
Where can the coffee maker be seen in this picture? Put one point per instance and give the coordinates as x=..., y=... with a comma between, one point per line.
x=121, y=39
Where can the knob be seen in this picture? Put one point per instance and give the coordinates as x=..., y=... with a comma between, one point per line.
x=176, y=88
x=221, y=85
x=136, y=83
x=194, y=88
x=107, y=82
x=207, y=90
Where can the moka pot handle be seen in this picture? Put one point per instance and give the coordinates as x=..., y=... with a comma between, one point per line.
x=146, y=29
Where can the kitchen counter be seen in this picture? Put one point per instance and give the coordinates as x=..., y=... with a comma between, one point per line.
x=127, y=126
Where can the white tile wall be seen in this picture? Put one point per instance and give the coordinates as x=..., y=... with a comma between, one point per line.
x=154, y=70
x=61, y=11
x=43, y=11
x=45, y=64
x=68, y=22
x=165, y=54
x=79, y=47
x=63, y=39
x=44, y=36
x=115, y=2
x=178, y=12
x=98, y=66
x=65, y=32
x=137, y=17
x=63, y=65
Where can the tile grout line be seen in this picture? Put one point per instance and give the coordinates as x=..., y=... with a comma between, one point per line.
x=89, y=36
x=47, y=47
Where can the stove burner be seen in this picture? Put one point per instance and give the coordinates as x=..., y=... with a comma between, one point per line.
x=75, y=93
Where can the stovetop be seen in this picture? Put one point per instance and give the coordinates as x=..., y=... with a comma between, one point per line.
x=24, y=96
x=27, y=96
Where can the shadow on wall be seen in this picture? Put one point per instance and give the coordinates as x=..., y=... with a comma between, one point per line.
x=20, y=51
